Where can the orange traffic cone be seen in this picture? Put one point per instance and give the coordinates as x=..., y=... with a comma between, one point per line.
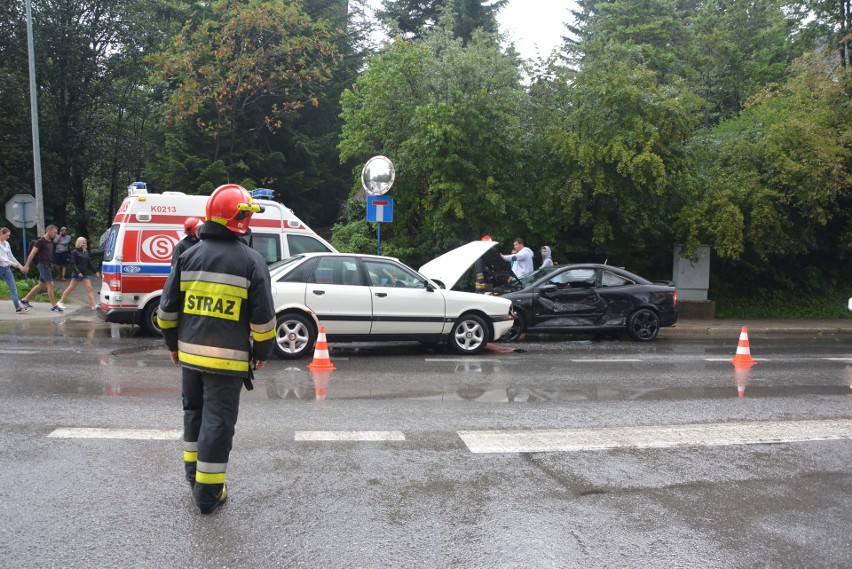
x=743, y=356
x=321, y=359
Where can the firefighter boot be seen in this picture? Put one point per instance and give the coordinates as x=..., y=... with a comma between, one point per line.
x=209, y=496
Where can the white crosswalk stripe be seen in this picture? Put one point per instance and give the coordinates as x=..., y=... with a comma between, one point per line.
x=663, y=436
x=131, y=434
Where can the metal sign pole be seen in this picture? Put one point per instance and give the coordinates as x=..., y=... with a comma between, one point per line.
x=379, y=244
x=24, y=230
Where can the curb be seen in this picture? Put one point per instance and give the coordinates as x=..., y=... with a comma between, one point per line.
x=714, y=331
x=808, y=327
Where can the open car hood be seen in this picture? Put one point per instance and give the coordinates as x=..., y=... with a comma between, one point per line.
x=452, y=265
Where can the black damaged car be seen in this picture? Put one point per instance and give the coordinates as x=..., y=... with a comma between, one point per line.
x=575, y=298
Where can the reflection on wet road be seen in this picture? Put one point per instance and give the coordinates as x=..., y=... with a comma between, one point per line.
x=544, y=371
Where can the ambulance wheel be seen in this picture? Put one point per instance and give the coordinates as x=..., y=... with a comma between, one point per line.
x=294, y=336
x=149, y=318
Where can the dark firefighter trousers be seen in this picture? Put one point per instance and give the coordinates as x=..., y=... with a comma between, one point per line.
x=211, y=403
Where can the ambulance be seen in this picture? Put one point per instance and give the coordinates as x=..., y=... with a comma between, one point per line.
x=138, y=247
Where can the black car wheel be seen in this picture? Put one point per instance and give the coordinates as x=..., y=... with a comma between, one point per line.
x=469, y=336
x=643, y=325
x=294, y=336
x=514, y=333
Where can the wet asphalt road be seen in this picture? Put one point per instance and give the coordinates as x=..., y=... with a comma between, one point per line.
x=423, y=498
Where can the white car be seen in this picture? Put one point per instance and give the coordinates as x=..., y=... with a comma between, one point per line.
x=374, y=298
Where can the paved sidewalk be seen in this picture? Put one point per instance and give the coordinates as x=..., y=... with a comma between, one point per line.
x=79, y=306
x=76, y=303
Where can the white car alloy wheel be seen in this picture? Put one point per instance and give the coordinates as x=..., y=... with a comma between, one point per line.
x=294, y=336
x=469, y=335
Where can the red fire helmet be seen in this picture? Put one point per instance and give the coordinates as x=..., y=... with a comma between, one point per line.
x=191, y=225
x=232, y=206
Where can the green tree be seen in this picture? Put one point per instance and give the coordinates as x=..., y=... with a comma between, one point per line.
x=414, y=18
x=253, y=92
x=244, y=68
x=772, y=187
x=621, y=145
x=16, y=168
x=92, y=101
x=735, y=49
x=828, y=23
x=447, y=115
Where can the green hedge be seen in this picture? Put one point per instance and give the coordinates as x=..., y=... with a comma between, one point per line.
x=776, y=304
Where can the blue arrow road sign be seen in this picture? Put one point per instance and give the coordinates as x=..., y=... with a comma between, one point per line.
x=380, y=208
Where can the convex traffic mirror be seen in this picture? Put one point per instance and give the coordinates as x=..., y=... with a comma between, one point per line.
x=378, y=175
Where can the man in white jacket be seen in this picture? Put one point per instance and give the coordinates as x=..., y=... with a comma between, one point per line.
x=521, y=258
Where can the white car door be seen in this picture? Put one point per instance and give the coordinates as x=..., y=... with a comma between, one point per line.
x=337, y=295
x=401, y=302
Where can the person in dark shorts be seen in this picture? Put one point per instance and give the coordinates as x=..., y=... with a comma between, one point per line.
x=43, y=248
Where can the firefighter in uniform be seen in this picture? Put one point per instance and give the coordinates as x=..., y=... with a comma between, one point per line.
x=190, y=228
x=218, y=322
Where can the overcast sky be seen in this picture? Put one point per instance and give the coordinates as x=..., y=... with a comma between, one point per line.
x=536, y=26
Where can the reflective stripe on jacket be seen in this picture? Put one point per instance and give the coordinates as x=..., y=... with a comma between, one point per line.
x=216, y=309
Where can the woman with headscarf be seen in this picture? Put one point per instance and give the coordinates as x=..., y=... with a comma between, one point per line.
x=546, y=259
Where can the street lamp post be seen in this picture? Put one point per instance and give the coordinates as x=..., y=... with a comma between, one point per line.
x=34, y=115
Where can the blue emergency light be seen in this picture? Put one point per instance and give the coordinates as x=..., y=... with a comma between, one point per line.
x=137, y=188
x=263, y=193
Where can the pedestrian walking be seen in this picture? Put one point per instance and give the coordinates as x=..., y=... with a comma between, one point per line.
x=62, y=251
x=218, y=322
x=43, y=248
x=7, y=262
x=80, y=266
